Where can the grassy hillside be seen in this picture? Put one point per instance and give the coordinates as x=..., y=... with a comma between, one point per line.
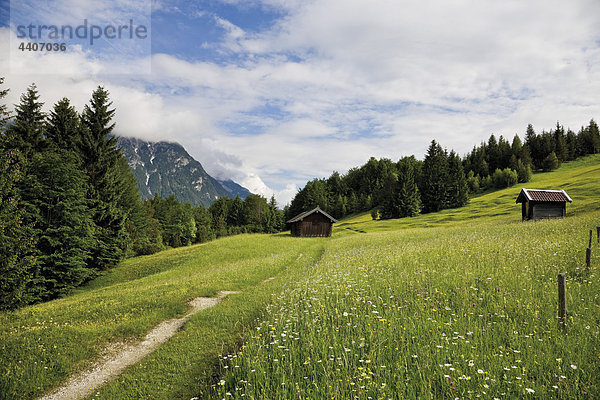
x=459, y=303
x=42, y=345
x=578, y=178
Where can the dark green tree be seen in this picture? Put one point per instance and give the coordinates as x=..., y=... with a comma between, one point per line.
x=63, y=129
x=435, y=177
x=100, y=157
x=17, y=264
x=26, y=134
x=235, y=212
x=523, y=172
x=516, y=146
x=55, y=194
x=255, y=212
x=456, y=187
x=551, y=162
x=389, y=207
x=406, y=191
x=203, y=219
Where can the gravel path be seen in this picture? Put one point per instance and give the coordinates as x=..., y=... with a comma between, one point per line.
x=86, y=382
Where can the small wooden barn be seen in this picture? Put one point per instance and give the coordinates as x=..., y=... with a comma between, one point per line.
x=313, y=223
x=538, y=204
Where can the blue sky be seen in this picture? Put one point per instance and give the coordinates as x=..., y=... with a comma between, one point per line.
x=272, y=93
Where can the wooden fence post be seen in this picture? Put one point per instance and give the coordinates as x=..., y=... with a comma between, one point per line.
x=562, y=300
x=588, y=253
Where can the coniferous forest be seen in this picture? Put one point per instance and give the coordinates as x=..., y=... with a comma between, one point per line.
x=70, y=208
x=443, y=179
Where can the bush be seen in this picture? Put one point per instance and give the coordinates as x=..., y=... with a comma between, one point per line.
x=550, y=162
x=375, y=214
x=524, y=172
x=504, y=178
x=473, y=182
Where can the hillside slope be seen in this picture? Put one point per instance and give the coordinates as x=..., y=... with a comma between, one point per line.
x=412, y=308
x=580, y=179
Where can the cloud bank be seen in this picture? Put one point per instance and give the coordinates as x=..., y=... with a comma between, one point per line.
x=330, y=83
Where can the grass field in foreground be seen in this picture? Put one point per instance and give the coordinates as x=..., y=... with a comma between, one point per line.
x=454, y=307
x=42, y=345
x=445, y=305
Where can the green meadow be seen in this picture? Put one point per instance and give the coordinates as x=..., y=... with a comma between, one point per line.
x=456, y=304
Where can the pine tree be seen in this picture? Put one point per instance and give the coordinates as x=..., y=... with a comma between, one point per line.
x=4, y=113
x=17, y=264
x=560, y=143
x=516, y=146
x=235, y=212
x=551, y=162
x=407, y=193
x=63, y=126
x=389, y=207
x=457, y=190
x=56, y=198
x=493, y=153
x=26, y=134
x=435, y=176
x=100, y=157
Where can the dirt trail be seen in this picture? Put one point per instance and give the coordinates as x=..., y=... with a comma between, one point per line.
x=85, y=383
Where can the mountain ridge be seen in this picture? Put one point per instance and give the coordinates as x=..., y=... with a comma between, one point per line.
x=166, y=168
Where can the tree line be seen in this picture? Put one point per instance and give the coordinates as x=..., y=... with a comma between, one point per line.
x=443, y=179
x=70, y=207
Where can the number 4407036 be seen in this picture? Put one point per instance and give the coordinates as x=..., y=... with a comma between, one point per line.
x=42, y=46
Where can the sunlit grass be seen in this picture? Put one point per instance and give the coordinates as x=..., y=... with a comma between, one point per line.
x=42, y=345
x=460, y=303
x=438, y=306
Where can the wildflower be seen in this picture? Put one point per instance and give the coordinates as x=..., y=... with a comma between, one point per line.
x=573, y=366
x=529, y=390
x=480, y=371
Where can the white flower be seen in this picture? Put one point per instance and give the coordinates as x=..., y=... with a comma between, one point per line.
x=480, y=371
x=573, y=366
x=530, y=390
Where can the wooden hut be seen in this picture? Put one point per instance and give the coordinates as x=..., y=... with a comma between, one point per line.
x=538, y=204
x=315, y=222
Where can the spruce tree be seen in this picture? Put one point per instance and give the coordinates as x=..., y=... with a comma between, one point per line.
x=551, y=162
x=26, y=134
x=56, y=197
x=100, y=156
x=407, y=193
x=17, y=264
x=457, y=190
x=388, y=197
x=63, y=126
x=434, y=179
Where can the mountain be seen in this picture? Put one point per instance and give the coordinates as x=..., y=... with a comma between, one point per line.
x=234, y=189
x=166, y=168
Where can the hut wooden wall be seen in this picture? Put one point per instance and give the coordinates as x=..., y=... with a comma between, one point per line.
x=538, y=210
x=313, y=225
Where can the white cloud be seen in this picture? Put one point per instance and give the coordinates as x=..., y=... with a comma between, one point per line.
x=334, y=82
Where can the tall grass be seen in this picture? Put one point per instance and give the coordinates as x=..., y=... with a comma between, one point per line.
x=431, y=313
x=42, y=345
x=460, y=303
x=457, y=304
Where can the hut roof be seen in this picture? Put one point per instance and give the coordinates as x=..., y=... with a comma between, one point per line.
x=305, y=214
x=554, y=196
